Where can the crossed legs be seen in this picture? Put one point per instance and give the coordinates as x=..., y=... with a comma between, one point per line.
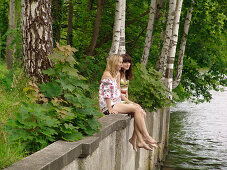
x=140, y=130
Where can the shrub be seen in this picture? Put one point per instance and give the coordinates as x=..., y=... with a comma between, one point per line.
x=147, y=88
x=61, y=108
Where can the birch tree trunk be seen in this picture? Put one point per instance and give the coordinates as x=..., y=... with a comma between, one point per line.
x=173, y=45
x=182, y=47
x=117, y=28
x=70, y=24
x=100, y=4
x=122, y=49
x=9, y=52
x=150, y=27
x=37, y=37
x=162, y=60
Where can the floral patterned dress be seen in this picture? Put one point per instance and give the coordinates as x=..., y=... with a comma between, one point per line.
x=108, y=89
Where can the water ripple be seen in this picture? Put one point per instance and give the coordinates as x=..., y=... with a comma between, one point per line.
x=198, y=135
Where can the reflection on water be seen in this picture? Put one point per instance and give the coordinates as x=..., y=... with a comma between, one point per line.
x=198, y=135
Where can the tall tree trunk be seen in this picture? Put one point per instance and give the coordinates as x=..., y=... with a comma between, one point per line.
x=182, y=47
x=150, y=27
x=117, y=28
x=9, y=51
x=56, y=13
x=100, y=4
x=70, y=24
x=162, y=60
x=36, y=24
x=122, y=49
x=173, y=46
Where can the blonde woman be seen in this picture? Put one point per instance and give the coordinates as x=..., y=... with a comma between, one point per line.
x=110, y=101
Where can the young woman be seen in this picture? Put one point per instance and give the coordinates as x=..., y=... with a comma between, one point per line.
x=123, y=80
x=110, y=101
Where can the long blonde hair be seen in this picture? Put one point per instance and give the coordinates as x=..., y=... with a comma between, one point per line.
x=112, y=63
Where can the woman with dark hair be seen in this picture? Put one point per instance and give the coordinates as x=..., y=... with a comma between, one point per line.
x=110, y=101
x=126, y=75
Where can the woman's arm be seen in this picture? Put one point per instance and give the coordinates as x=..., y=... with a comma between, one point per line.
x=125, y=99
x=110, y=109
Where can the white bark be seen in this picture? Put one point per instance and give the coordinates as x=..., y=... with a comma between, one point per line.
x=182, y=48
x=9, y=52
x=168, y=33
x=116, y=30
x=122, y=49
x=173, y=45
x=37, y=38
x=150, y=28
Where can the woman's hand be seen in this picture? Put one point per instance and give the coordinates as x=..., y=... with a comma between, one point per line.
x=112, y=111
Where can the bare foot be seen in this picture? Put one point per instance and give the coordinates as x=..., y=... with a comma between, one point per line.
x=144, y=145
x=133, y=142
x=149, y=140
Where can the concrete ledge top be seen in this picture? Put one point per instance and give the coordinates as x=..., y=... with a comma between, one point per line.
x=60, y=153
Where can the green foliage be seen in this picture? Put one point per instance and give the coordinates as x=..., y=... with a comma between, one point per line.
x=7, y=80
x=10, y=153
x=205, y=50
x=4, y=8
x=147, y=89
x=11, y=93
x=64, y=109
x=32, y=126
x=196, y=84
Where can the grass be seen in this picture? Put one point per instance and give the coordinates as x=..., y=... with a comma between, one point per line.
x=11, y=95
x=12, y=84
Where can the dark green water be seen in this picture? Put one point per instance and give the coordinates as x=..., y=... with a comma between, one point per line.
x=198, y=135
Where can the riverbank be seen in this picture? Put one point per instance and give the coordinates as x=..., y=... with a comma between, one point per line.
x=198, y=138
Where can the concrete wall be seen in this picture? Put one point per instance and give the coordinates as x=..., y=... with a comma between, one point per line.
x=107, y=150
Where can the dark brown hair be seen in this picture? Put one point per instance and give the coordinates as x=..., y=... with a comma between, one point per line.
x=128, y=73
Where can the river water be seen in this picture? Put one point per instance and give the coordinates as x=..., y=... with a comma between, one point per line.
x=198, y=135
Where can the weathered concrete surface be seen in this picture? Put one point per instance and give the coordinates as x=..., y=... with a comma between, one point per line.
x=107, y=150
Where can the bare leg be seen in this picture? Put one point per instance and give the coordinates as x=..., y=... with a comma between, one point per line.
x=138, y=119
x=141, y=143
x=136, y=133
x=148, y=139
x=132, y=140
